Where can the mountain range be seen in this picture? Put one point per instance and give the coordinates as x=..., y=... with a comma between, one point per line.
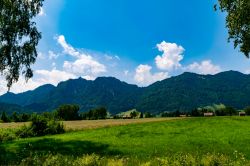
x=184, y=92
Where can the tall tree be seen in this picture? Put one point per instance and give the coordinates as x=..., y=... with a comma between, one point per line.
x=5, y=117
x=18, y=38
x=68, y=112
x=237, y=22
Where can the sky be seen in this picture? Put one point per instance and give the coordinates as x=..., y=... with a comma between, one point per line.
x=139, y=42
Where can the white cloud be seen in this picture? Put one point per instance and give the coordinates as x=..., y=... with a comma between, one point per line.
x=53, y=77
x=67, y=48
x=40, y=55
x=108, y=57
x=87, y=77
x=205, y=67
x=171, y=57
x=144, y=77
x=126, y=72
x=117, y=57
x=42, y=12
x=19, y=86
x=53, y=55
x=84, y=64
x=247, y=71
x=42, y=77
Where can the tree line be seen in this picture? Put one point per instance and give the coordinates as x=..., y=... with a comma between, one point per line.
x=69, y=112
x=64, y=112
x=216, y=109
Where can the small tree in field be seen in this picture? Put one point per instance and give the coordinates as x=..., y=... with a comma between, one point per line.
x=68, y=112
x=133, y=114
x=15, y=117
x=247, y=110
x=141, y=115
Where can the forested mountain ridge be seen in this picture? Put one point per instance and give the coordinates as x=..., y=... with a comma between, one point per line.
x=183, y=92
x=110, y=92
x=190, y=90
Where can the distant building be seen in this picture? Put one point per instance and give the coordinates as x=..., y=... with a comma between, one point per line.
x=126, y=117
x=242, y=113
x=183, y=115
x=207, y=114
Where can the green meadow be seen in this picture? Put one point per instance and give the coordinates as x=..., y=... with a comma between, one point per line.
x=226, y=137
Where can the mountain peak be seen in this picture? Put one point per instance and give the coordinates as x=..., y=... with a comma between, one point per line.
x=106, y=78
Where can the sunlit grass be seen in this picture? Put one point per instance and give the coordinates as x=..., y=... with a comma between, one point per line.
x=143, y=142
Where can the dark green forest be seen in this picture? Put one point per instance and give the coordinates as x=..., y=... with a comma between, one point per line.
x=180, y=93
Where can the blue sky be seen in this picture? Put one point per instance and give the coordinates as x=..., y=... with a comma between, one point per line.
x=139, y=42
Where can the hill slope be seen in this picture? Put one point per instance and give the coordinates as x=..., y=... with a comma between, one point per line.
x=117, y=96
x=189, y=90
x=183, y=92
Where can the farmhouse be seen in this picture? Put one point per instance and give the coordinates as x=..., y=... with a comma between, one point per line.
x=208, y=114
x=242, y=113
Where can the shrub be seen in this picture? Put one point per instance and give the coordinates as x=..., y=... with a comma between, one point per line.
x=24, y=132
x=174, y=160
x=41, y=126
x=247, y=110
x=7, y=135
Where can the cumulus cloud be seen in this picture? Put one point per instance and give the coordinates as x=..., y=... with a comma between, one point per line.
x=20, y=86
x=53, y=55
x=41, y=55
x=84, y=64
x=247, y=71
x=205, y=67
x=171, y=57
x=53, y=77
x=68, y=49
x=144, y=77
x=42, y=77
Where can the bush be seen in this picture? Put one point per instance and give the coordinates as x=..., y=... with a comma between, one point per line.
x=41, y=126
x=174, y=160
x=7, y=135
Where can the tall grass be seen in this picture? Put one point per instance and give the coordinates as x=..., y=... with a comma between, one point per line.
x=176, y=160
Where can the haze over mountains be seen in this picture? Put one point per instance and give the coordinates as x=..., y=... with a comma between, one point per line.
x=183, y=92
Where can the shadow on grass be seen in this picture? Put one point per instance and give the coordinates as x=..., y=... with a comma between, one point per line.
x=46, y=146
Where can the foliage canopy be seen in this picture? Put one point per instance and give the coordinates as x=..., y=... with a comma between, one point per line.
x=18, y=38
x=238, y=22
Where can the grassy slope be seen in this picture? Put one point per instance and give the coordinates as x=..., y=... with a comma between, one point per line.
x=197, y=136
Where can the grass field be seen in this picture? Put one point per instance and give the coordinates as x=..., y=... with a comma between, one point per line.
x=195, y=136
x=91, y=124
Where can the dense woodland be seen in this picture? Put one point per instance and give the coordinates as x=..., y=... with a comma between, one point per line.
x=181, y=93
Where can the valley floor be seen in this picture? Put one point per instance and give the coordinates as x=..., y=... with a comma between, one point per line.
x=92, y=124
x=228, y=137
